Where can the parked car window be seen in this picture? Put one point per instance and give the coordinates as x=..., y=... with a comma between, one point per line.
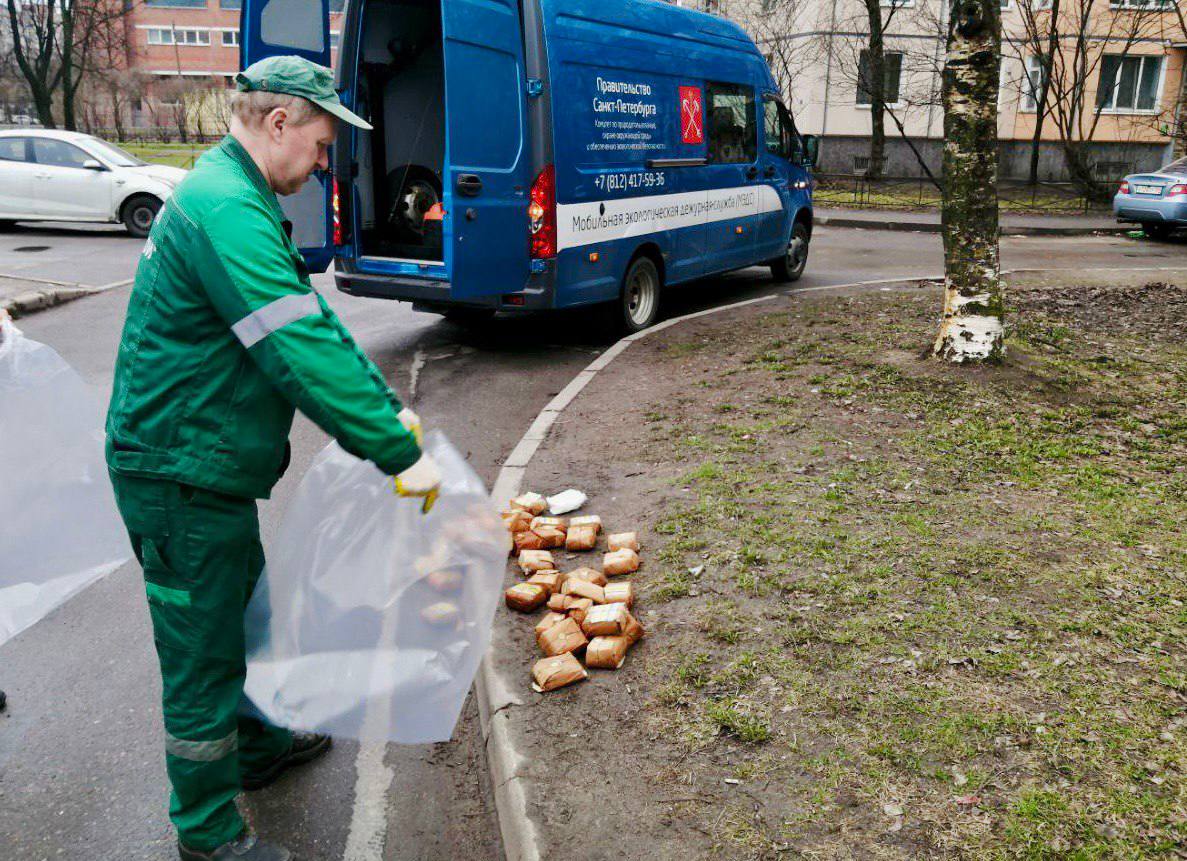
x=115, y=155
x=12, y=149
x=58, y=153
x=733, y=124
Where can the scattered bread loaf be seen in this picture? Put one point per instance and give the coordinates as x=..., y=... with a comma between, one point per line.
x=562, y=637
x=577, y=608
x=559, y=603
x=532, y=561
x=533, y=503
x=634, y=631
x=553, y=522
x=550, y=536
x=624, y=561
x=548, y=621
x=527, y=540
x=592, y=575
x=619, y=540
x=445, y=579
x=526, y=597
x=584, y=589
x=586, y=521
x=606, y=620
x=581, y=538
x=441, y=614
x=517, y=520
x=607, y=653
x=550, y=580
x=548, y=674
x=619, y=593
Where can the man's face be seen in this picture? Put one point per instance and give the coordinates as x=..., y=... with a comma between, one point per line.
x=297, y=151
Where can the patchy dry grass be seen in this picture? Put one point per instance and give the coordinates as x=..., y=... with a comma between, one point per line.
x=940, y=611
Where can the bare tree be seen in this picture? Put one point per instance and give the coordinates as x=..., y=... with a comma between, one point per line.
x=971, y=329
x=33, y=29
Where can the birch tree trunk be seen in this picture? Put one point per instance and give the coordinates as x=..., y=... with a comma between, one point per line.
x=972, y=326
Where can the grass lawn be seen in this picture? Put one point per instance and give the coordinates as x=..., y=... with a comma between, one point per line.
x=173, y=154
x=936, y=612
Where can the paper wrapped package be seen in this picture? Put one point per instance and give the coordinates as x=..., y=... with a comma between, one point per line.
x=581, y=538
x=620, y=540
x=634, y=631
x=584, y=589
x=517, y=520
x=548, y=621
x=607, y=653
x=59, y=527
x=550, y=580
x=559, y=603
x=566, y=501
x=577, y=608
x=526, y=597
x=592, y=575
x=528, y=540
x=606, y=620
x=345, y=632
x=625, y=561
x=532, y=503
x=549, y=674
x=552, y=522
x=532, y=561
x=586, y=520
x=619, y=593
x=550, y=536
x=562, y=637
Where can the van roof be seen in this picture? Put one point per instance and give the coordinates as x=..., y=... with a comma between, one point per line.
x=683, y=18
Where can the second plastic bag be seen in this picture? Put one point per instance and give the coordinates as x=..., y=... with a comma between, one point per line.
x=59, y=527
x=372, y=618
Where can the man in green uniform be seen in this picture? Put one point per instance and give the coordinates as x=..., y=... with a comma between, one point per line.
x=224, y=337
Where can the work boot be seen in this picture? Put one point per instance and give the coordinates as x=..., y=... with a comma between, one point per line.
x=245, y=848
x=306, y=746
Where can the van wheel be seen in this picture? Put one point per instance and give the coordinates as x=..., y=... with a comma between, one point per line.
x=1156, y=231
x=639, y=303
x=791, y=265
x=139, y=214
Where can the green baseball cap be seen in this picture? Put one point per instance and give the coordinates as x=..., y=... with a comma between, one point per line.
x=296, y=76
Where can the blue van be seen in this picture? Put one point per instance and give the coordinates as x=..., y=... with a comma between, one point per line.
x=541, y=154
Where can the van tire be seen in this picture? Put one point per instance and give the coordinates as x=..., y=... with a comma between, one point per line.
x=638, y=303
x=139, y=213
x=791, y=265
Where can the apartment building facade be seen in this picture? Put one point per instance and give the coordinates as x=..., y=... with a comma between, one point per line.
x=1119, y=93
x=186, y=52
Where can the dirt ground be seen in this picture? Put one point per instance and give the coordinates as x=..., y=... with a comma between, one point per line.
x=895, y=609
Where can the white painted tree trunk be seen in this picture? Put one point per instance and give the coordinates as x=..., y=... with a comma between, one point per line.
x=971, y=329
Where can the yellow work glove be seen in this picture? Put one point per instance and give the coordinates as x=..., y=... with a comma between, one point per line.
x=411, y=422
x=421, y=480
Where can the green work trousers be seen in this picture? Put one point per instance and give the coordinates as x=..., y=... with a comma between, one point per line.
x=201, y=556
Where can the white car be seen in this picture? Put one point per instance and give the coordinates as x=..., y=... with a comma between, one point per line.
x=50, y=175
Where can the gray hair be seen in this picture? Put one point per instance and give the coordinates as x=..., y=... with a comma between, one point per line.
x=250, y=108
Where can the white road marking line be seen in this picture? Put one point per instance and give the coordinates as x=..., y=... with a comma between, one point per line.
x=368, y=818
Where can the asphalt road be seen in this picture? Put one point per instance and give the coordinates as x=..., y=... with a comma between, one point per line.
x=81, y=765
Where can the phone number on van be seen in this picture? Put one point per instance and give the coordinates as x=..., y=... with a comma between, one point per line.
x=628, y=181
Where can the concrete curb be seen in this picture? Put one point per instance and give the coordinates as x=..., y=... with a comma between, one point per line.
x=495, y=690
x=934, y=227
x=32, y=301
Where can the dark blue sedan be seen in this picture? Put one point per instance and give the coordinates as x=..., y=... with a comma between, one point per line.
x=1156, y=201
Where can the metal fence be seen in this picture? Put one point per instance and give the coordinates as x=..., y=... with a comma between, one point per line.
x=920, y=193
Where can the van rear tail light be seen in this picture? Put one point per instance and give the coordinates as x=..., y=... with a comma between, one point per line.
x=337, y=213
x=1176, y=190
x=542, y=215
x=1124, y=189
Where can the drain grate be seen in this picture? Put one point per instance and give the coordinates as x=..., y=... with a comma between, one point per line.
x=32, y=248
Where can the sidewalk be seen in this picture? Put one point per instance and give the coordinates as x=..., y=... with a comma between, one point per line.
x=881, y=623
x=1011, y=224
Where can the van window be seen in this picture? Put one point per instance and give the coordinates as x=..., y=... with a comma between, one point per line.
x=290, y=24
x=782, y=139
x=733, y=127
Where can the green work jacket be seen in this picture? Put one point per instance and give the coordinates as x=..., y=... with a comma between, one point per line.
x=225, y=336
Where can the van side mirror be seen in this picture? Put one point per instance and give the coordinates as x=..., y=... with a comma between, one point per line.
x=811, y=150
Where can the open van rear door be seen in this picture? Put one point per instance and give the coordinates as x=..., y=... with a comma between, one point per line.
x=270, y=27
x=486, y=151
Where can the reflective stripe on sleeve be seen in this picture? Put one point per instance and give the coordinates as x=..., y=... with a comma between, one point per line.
x=261, y=323
x=202, y=751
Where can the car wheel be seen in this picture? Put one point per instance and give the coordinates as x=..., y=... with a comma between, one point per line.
x=1156, y=231
x=638, y=304
x=139, y=215
x=791, y=265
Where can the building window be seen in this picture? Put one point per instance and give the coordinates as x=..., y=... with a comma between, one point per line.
x=336, y=6
x=892, y=69
x=230, y=38
x=1005, y=5
x=1032, y=86
x=188, y=36
x=733, y=124
x=1129, y=84
x=230, y=4
x=1142, y=4
x=896, y=4
x=183, y=4
x=768, y=6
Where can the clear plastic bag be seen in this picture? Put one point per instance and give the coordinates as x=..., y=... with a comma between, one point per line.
x=372, y=618
x=59, y=526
